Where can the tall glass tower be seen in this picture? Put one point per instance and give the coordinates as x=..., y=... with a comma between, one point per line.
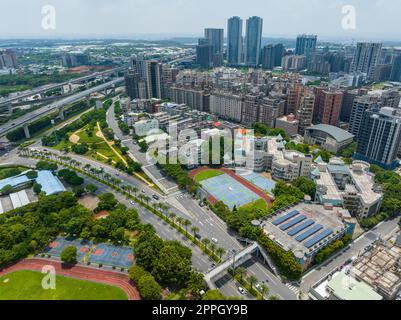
x=234, y=40
x=253, y=40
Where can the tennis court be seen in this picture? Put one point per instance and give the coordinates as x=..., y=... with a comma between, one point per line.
x=258, y=180
x=112, y=256
x=228, y=190
x=55, y=247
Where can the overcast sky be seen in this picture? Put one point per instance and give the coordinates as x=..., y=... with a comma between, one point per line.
x=376, y=19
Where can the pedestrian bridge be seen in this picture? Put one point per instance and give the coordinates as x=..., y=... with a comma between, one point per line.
x=232, y=261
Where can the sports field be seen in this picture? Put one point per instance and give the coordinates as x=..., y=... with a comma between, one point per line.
x=207, y=174
x=230, y=191
x=27, y=285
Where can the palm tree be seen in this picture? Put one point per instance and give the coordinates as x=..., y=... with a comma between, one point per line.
x=173, y=216
x=264, y=289
x=147, y=199
x=213, y=247
x=220, y=252
x=186, y=223
x=241, y=272
x=194, y=230
x=180, y=220
x=252, y=280
x=205, y=242
x=135, y=190
x=274, y=298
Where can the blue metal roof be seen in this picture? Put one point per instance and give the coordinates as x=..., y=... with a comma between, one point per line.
x=50, y=184
x=14, y=181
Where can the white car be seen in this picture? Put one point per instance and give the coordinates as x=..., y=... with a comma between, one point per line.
x=215, y=240
x=132, y=202
x=241, y=290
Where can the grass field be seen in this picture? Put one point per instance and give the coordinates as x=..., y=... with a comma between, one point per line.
x=258, y=204
x=207, y=174
x=26, y=285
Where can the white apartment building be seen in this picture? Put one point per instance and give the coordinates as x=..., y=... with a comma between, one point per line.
x=226, y=106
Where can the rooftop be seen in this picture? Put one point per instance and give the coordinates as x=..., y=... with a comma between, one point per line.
x=50, y=183
x=301, y=227
x=338, y=134
x=345, y=287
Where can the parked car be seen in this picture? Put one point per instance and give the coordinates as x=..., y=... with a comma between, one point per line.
x=215, y=240
x=198, y=236
x=156, y=197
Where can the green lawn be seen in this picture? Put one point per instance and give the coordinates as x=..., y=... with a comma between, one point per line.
x=26, y=285
x=204, y=175
x=258, y=204
x=85, y=138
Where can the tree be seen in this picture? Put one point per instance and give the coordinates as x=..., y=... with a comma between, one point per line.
x=136, y=273
x=143, y=146
x=44, y=165
x=194, y=230
x=32, y=174
x=252, y=281
x=7, y=189
x=37, y=188
x=149, y=288
x=91, y=188
x=264, y=289
x=306, y=185
x=220, y=252
x=196, y=283
x=241, y=272
x=69, y=255
x=213, y=295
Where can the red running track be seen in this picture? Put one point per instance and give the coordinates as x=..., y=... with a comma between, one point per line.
x=243, y=181
x=78, y=272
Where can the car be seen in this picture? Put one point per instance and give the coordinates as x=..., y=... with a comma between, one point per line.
x=198, y=236
x=212, y=265
x=143, y=190
x=241, y=290
x=156, y=197
x=215, y=240
x=258, y=286
x=132, y=202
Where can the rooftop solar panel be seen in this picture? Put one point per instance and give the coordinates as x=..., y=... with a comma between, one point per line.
x=301, y=227
x=292, y=222
x=285, y=217
x=310, y=243
x=309, y=232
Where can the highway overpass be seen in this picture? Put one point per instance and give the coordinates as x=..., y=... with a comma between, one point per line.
x=8, y=102
x=26, y=119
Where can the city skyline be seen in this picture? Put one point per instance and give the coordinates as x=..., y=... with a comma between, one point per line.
x=123, y=22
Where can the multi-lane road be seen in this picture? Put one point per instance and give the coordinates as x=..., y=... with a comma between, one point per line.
x=30, y=117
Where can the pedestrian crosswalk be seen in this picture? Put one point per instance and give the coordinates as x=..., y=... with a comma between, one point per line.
x=293, y=288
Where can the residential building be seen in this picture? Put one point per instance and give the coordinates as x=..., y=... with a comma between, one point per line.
x=153, y=75
x=359, y=106
x=327, y=105
x=270, y=109
x=204, y=54
x=379, y=138
x=234, y=41
x=289, y=124
x=293, y=62
x=144, y=127
x=272, y=56
x=306, y=45
x=366, y=58
x=226, y=105
x=253, y=39
x=216, y=39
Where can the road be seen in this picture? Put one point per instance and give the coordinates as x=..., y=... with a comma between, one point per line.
x=200, y=261
x=383, y=230
x=49, y=87
x=255, y=268
x=27, y=118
